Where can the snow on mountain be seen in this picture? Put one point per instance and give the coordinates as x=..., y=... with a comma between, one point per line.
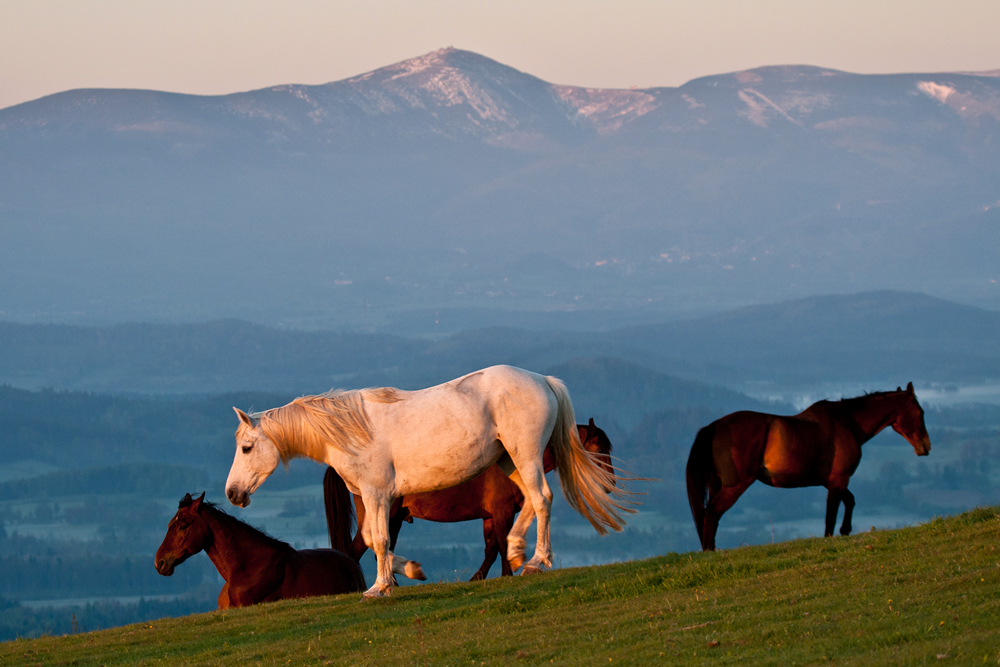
x=453, y=179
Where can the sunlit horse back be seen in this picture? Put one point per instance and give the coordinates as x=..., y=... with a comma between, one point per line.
x=820, y=446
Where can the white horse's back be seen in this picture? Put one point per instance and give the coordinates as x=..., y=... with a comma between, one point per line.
x=444, y=435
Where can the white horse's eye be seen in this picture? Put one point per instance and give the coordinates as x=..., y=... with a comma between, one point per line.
x=247, y=448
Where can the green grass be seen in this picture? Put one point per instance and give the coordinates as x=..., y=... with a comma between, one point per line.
x=922, y=595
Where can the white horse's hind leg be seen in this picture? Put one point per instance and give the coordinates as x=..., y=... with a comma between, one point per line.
x=516, y=543
x=541, y=502
x=533, y=497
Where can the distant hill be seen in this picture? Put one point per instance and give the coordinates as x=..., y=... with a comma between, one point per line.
x=451, y=182
x=870, y=337
x=617, y=391
x=213, y=357
x=859, y=337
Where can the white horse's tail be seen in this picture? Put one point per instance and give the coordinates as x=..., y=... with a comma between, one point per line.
x=588, y=486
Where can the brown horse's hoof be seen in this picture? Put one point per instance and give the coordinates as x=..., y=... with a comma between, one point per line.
x=413, y=570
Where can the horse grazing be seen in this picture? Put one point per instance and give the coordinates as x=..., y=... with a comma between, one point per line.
x=491, y=497
x=820, y=446
x=257, y=568
x=386, y=443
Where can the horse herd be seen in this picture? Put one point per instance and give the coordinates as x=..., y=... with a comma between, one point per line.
x=478, y=447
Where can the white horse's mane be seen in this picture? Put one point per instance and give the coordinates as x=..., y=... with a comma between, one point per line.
x=310, y=424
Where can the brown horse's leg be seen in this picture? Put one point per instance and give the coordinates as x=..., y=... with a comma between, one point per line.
x=224, y=597
x=718, y=503
x=397, y=515
x=492, y=550
x=501, y=528
x=833, y=498
x=848, y=498
x=358, y=546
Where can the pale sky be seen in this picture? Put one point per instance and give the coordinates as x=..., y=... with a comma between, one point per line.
x=223, y=46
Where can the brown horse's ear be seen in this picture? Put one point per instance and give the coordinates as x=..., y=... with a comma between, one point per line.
x=244, y=417
x=909, y=389
x=197, y=501
x=185, y=501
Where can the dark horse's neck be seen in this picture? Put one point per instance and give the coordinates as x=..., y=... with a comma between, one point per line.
x=872, y=413
x=235, y=547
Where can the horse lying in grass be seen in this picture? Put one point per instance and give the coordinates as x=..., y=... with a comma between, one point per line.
x=491, y=497
x=386, y=443
x=820, y=446
x=256, y=567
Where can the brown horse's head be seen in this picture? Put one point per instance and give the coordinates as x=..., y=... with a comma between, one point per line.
x=187, y=534
x=596, y=441
x=909, y=422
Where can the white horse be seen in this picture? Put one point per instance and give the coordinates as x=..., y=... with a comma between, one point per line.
x=387, y=443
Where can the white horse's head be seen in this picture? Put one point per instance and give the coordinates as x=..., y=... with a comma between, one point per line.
x=256, y=458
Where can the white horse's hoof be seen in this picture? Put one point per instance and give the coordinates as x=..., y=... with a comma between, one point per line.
x=412, y=570
x=535, y=565
x=377, y=591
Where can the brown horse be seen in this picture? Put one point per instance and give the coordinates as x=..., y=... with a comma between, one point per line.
x=256, y=567
x=820, y=446
x=491, y=496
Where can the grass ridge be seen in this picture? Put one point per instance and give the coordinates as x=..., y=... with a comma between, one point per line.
x=915, y=595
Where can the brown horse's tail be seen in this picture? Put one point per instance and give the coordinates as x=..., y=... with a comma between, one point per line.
x=699, y=467
x=339, y=511
x=589, y=487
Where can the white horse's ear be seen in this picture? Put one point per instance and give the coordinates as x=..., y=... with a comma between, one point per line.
x=244, y=417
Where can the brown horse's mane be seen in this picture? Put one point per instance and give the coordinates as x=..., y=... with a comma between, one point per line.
x=218, y=512
x=867, y=394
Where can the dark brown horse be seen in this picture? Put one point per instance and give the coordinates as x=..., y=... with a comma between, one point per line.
x=820, y=446
x=491, y=496
x=256, y=567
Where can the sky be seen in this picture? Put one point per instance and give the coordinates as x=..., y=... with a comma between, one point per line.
x=224, y=46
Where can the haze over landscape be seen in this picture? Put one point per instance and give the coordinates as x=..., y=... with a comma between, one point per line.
x=757, y=239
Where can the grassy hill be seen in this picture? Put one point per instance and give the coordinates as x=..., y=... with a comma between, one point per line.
x=919, y=595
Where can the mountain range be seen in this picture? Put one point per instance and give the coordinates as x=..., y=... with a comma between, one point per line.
x=453, y=182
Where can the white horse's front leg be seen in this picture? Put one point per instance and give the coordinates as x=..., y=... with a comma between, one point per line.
x=410, y=569
x=376, y=535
